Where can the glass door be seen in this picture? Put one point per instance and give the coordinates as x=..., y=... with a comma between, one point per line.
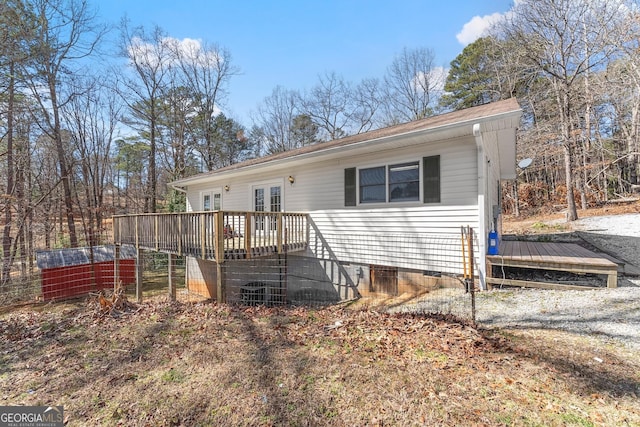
x=259, y=206
x=267, y=198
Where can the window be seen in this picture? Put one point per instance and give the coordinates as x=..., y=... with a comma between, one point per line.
x=372, y=185
x=258, y=203
x=212, y=200
x=275, y=204
x=394, y=183
x=275, y=199
x=404, y=182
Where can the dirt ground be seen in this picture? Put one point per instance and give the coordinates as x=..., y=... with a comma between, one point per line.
x=556, y=221
x=163, y=364
x=167, y=364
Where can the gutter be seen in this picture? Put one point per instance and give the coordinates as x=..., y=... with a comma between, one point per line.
x=340, y=148
x=175, y=187
x=482, y=211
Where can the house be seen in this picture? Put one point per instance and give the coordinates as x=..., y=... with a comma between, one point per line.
x=379, y=202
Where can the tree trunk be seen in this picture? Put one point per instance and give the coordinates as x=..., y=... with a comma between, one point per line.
x=572, y=212
x=5, y=275
x=152, y=170
x=65, y=173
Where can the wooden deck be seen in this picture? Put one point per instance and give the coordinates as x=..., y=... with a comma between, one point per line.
x=210, y=235
x=568, y=257
x=214, y=235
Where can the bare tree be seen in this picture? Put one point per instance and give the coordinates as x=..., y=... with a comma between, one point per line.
x=623, y=89
x=340, y=109
x=150, y=57
x=563, y=40
x=15, y=36
x=206, y=70
x=275, y=119
x=368, y=101
x=328, y=104
x=91, y=120
x=412, y=86
x=66, y=33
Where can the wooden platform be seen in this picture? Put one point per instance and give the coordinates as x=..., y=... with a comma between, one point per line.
x=568, y=257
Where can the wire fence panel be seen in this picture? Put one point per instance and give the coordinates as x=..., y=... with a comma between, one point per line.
x=417, y=272
x=58, y=274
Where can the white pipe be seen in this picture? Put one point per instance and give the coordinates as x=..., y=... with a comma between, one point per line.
x=482, y=211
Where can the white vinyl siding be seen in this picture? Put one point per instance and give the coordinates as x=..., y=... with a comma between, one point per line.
x=394, y=220
x=319, y=189
x=320, y=185
x=423, y=238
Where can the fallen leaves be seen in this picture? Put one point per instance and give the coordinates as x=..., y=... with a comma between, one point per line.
x=331, y=366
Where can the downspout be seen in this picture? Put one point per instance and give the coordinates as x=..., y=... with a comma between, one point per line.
x=481, y=237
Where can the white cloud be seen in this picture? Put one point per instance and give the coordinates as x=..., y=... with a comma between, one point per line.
x=170, y=49
x=433, y=81
x=477, y=27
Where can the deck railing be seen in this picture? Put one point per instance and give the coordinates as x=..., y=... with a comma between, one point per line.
x=214, y=235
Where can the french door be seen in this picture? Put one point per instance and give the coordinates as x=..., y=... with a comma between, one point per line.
x=267, y=198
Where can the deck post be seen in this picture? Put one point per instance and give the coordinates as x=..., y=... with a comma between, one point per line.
x=157, y=232
x=219, y=256
x=156, y=235
x=137, y=232
x=220, y=283
x=612, y=278
x=247, y=234
x=139, y=271
x=203, y=236
x=180, y=235
x=280, y=231
x=171, y=262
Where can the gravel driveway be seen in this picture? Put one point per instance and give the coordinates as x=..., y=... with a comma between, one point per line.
x=611, y=314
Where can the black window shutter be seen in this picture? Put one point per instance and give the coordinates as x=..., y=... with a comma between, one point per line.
x=431, y=179
x=350, y=190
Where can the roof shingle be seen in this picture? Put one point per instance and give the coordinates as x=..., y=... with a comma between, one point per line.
x=460, y=116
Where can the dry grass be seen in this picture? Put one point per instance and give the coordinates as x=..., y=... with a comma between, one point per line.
x=211, y=364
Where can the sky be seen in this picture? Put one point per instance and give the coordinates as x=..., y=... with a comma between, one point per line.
x=290, y=43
